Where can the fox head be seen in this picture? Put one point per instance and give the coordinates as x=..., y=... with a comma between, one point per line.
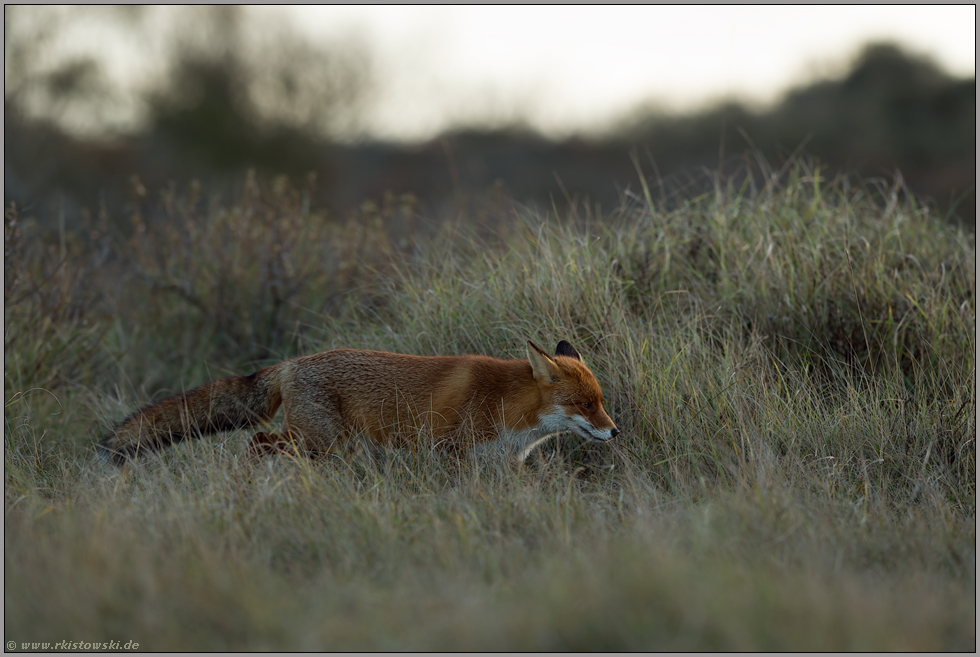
x=571, y=395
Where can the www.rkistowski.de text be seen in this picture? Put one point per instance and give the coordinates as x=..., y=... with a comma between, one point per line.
x=72, y=645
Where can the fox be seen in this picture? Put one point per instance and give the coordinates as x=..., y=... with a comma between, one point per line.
x=471, y=402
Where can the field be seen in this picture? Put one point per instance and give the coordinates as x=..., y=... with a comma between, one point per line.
x=792, y=362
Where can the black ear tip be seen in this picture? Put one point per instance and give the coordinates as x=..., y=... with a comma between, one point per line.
x=564, y=348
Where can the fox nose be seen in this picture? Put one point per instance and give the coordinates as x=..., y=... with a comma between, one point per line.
x=613, y=432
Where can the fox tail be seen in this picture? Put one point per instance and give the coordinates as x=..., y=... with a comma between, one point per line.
x=223, y=405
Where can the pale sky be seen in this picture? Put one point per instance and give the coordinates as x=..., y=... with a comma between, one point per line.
x=567, y=68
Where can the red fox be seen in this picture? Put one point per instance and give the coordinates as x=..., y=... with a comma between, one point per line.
x=388, y=399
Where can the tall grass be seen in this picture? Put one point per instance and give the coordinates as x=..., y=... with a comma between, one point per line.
x=793, y=367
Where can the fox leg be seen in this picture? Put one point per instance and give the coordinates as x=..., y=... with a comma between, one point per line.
x=316, y=428
x=266, y=442
x=310, y=429
x=310, y=438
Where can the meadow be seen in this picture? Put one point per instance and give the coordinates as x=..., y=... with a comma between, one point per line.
x=792, y=362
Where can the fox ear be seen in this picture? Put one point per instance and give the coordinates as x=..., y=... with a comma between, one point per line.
x=566, y=349
x=545, y=370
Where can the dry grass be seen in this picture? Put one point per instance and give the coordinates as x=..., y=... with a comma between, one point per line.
x=794, y=371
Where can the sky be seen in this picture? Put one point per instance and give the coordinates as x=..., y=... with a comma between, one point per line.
x=559, y=70
x=565, y=69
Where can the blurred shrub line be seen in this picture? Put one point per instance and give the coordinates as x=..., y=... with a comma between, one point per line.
x=228, y=105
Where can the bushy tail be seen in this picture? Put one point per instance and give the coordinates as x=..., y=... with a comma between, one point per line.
x=222, y=405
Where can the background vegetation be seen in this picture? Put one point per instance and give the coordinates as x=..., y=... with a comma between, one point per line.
x=227, y=98
x=791, y=359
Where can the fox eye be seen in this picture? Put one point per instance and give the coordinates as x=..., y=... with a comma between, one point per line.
x=587, y=405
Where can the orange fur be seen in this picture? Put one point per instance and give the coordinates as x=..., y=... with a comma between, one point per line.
x=388, y=399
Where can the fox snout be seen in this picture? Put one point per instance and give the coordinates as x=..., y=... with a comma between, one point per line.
x=592, y=432
x=591, y=421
